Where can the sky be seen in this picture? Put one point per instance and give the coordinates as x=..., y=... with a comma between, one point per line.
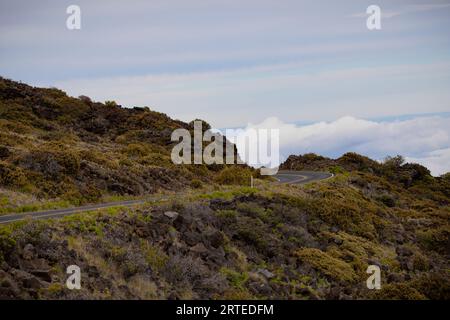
x=311, y=68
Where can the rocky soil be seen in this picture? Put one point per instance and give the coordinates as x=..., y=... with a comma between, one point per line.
x=290, y=244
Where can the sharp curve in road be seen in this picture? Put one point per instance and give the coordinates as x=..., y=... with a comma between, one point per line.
x=283, y=177
x=301, y=177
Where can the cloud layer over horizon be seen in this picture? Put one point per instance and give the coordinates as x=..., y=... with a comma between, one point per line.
x=423, y=140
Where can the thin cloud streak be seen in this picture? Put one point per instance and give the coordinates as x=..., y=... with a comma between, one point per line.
x=406, y=9
x=318, y=92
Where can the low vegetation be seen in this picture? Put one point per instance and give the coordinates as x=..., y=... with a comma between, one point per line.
x=284, y=242
x=63, y=149
x=215, y=237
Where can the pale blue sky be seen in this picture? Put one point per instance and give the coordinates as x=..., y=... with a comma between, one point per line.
x=238, y=62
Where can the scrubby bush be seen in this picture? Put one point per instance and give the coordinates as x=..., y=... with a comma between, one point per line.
x=52, y=161
x=155, y=257
x=136, y=150
x=234, y=175
x=398, y=291
x=85, y=99
x=4, y=152
x=308, y=161
x=236, y=279
x=253, y=232
x=437, y=239
x=393, y=162
x=156, y=159
x=184, y=270
x=433, y=285
x=334, y=268
x=354, y=161
x=336, y=169
x=196, y=184
x=7, y=243
x=387, y=200
x=110, y=103
x=11, y=176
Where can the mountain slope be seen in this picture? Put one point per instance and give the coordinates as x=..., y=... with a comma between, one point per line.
x=219, y=241
x=276, y=242
x=53, y=146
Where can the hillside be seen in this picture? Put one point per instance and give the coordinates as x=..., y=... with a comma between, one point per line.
x=277, y=242
x=213, y=237
x=72, y=150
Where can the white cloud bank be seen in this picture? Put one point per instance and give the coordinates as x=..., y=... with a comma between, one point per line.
x=424, y=140
x=437, y=161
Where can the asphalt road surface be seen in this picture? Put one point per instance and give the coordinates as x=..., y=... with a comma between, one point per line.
x=285, y=177
x=301, y=177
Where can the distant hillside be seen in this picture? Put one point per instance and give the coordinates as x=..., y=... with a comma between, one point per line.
x=411, y=176
x=53, y=146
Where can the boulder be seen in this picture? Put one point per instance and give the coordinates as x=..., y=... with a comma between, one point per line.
x=28, y=252
x=266, y=273
x=199, y=248
x=215, y=238
x=42, y=274
x=260, y=288
x=191, y=238
x=216, y=257
x=171, y=214
x=32, y=283
x=183, y=222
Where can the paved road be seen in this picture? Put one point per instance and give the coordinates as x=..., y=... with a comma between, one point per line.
x=301, y=177
x=287, y=177
x=68, y=211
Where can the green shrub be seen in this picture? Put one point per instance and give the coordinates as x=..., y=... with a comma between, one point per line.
x=11, y=176
x=354, y=161
x=52, y=159
x=387, y=200
x=154, y=256
x=253, y=232
x=398, y=291
x=196, y=184
x=136, y=150
x=435, y=239
x=434, y=285
x=156, y=159
x=336, y=169
x=328, y=265
x=236, y=279
x=7, y=243
x=110, y=103
x=234, y=175
x=226, y=214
